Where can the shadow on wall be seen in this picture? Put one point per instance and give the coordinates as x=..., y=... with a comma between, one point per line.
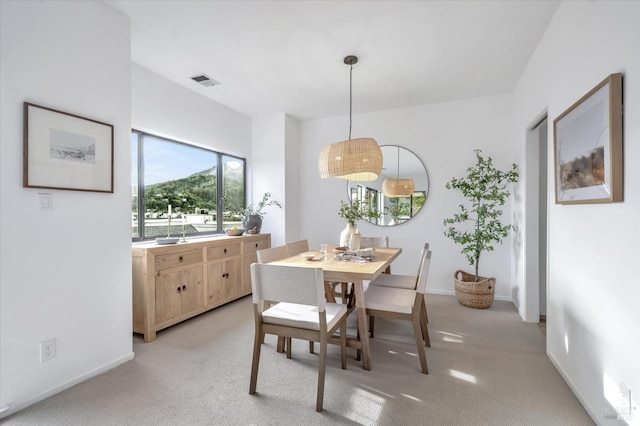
x=515, y=296
x=517, y=218
x=581, y=364
x=516, y=241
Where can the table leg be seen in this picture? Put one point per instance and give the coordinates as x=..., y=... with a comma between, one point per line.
x=361, y=311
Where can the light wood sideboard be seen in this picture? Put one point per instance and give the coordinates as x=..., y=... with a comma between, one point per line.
x=172, y=283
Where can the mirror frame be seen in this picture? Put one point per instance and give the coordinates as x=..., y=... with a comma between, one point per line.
x=371, y=192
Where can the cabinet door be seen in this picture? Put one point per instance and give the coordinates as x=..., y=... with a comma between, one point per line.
x=215, y=288
x=232, y=288
x=192, y=290
x=168, y=296
x=246, y=272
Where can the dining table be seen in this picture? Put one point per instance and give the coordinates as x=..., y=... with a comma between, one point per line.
x=350, y=271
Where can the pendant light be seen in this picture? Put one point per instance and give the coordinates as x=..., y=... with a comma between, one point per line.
x=354, y=159
x=397, y=187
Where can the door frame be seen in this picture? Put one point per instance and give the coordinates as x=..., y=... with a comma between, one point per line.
x=536, y=211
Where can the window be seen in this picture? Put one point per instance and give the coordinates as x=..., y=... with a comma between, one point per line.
x=205, y=188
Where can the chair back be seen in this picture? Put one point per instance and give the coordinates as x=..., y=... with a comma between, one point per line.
x=297, y=247
x=277, y=283
x=424, y=270
x=270, y=254
x=368, y=242
x=422, y=254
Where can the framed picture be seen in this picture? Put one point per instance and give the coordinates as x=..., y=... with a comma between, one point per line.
x=66, y=151
x=588, y=147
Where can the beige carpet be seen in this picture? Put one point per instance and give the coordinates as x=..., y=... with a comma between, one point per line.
x=487, y=367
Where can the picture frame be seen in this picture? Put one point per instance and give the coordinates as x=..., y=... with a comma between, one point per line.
x=588, y=147
x=66, y=151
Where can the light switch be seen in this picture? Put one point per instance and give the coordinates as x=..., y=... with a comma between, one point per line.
x=46, y=201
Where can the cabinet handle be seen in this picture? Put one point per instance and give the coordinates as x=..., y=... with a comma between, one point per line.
x=225, y=251
x=179, y=290
x=180, y=259
x=184, y=288
x=225, y=275
x=256, y=245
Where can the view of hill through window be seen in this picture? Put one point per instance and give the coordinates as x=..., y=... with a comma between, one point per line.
x=187, y=178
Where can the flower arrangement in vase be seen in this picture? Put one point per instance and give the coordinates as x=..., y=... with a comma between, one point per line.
x=352, y=213
x=253, y=213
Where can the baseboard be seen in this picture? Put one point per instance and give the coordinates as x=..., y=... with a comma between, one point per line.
x=453, y=293
x=573, y=388
x=14, y=408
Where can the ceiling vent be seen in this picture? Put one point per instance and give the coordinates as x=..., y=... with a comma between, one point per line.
x=205, y=80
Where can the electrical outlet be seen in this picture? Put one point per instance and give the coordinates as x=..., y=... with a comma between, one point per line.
x=47, y=350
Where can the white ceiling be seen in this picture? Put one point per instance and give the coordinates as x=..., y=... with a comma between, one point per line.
x=287, y=56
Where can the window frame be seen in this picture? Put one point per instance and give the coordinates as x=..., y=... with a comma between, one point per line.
x=219, y=202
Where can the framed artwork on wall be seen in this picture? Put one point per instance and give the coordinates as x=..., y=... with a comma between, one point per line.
x=588, y=147
x=66, y=151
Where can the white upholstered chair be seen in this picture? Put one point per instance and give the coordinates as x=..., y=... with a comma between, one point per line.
x=297, y=247
x=408, y=282
x=366, y=242
x=269, y=255
x=401, y=303
x=274, y=253
x=301, y=312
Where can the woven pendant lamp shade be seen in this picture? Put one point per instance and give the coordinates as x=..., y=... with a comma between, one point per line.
x=394, y=188
x=353, y=159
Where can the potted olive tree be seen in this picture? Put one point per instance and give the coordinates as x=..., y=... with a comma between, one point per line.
x=477, y=225
x=253, y=213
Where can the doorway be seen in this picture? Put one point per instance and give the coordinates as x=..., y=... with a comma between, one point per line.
x=535, y=302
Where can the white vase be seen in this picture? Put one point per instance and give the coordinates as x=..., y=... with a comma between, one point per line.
x=354, y=241
x=345, y=235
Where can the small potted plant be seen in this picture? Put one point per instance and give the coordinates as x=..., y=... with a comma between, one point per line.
x=352, y=213
x=485, y=188
x=253, y=213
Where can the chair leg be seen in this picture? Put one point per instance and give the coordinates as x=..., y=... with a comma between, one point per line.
x=288, y=344
x=424, y=305
x=371, y=325
x=257, y=343
x=280, y=346
x=321, y=372
x=311, y=346
x=265, y=306
x=419, y=342
x=343, y=343
x=424, y=325
x=328, y=292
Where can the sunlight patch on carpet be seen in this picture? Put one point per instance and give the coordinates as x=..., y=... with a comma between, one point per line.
x=463, y=376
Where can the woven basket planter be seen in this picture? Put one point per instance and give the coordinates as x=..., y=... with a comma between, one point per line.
x=474, y=294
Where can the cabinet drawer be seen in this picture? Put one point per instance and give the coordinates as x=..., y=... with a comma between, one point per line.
x=222, y=252
x=172, y=260
x=251, y=247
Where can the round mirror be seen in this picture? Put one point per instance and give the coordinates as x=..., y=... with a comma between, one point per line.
x=399, y=165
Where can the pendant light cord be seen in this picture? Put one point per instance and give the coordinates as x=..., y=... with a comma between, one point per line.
x=350, y=97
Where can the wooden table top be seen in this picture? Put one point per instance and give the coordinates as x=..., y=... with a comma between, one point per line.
x=345, y=271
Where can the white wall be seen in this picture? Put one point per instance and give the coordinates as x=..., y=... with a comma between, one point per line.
x=593, y=320
x=443, y=136
x=268, y=172
x=293, y=210
x=64, y=274
x=162, y=107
